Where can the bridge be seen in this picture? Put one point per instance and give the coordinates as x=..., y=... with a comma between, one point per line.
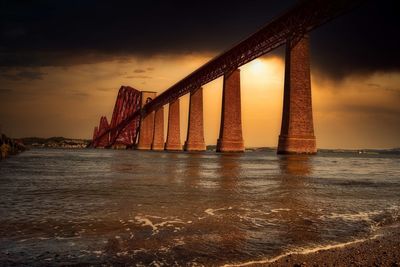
x=138, y=118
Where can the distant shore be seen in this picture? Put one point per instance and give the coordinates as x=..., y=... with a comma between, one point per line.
x=64, y=142
x=54, y=142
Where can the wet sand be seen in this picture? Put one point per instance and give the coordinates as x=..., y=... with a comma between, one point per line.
x=383, y=250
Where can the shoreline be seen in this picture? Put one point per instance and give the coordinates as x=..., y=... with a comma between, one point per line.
x=382, y=249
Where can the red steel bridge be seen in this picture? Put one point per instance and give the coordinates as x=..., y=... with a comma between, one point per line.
x=136, y=122
x=111, y=135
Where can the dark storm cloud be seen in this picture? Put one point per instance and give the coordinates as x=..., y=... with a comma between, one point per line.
x=364, y=41
x=52, y=33
x=5, y=91
x=65, y=33
x=23, y=75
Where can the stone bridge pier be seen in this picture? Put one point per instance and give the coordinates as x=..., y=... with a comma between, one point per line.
x=297, y=130
x=230, y=134
x=158, y=134
x=146, y=123
x=195, y=133
x=173, y=142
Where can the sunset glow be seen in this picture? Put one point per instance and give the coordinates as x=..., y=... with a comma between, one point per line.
x=351, y=113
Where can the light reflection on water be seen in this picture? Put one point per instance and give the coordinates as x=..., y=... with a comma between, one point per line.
x=62, y=207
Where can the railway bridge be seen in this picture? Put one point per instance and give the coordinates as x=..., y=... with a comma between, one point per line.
x=138, y=118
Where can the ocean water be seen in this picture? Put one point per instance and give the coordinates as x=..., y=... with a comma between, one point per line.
x=136, y=208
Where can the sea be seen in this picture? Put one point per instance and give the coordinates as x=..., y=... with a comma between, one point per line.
x=97, y=207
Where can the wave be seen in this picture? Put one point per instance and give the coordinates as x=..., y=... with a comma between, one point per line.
x=301, y=251
x=212, y=211
x=354, y=217
x=379, y=220
x=376, y=217
x=145, y=221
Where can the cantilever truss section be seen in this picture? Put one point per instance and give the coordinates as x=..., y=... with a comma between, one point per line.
x=101, y=136
x=127, y=103
x=113, y=135
x=293, y=24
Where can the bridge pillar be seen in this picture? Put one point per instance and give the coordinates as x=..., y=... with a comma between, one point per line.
x=230, y=134
x=297, y=130
x=173, y=135
x=158, y=136
x=195, y=134
x=146, y=123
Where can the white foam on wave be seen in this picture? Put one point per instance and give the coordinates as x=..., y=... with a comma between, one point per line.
x=260, y=217
x=123, y=253
x=170, y=223
x=156, y=264
x=154, y=217
x=179, y=242
x=280, y=209
x=303, y=251
x=145, y=221
x=353, y=217
x=212, y=211
x=254, y=220
x=142, y=250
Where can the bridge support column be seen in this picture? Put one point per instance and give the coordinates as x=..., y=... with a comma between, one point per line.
x=230, y=134
x=146, y=124
x=173, y=135
x=146, y=132
x=158, y=136
x=297, y=130
x=195, y=134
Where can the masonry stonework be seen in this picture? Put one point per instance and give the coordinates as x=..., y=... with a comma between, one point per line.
x=297, y=130
x=195, y=134
x=173, y=135
x=158, y=135
x=230, y=134
x=146, y=123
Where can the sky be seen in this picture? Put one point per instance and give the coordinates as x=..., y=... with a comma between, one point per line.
x=62, y=63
